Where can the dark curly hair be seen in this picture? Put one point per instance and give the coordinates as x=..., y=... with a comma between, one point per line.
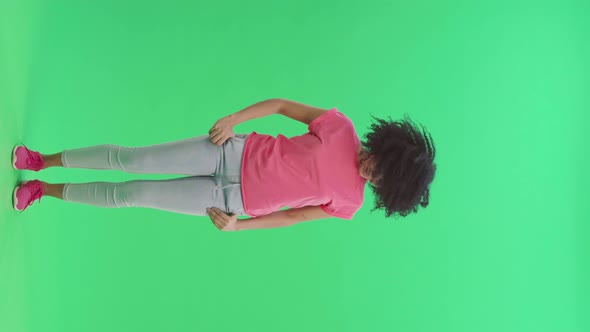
x=404, y=165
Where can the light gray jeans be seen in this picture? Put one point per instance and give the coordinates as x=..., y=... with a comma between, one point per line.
x=214, y=181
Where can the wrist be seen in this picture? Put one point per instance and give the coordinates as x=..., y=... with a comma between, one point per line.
x=238, y=226
x=242, y=224
x=233, y=119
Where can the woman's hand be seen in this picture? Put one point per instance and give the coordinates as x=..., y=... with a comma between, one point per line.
x=223, y=221
x=221, y=131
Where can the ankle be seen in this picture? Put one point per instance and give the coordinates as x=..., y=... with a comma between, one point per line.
x=47, y=161
x=46, y=188
x=51, y=160
x=53, y=190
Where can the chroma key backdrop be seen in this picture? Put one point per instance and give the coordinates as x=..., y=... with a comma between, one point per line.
x=502, y=86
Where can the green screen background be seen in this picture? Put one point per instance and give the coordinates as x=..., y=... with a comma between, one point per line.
x=501, y=85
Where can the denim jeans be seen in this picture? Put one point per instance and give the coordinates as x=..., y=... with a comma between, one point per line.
x=214, y=176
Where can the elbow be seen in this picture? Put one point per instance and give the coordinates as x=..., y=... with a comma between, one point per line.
x=278, y=104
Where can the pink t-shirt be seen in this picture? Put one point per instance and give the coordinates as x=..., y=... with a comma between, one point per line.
x=317, y=168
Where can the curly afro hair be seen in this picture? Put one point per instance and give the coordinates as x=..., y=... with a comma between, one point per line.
x=404, y=165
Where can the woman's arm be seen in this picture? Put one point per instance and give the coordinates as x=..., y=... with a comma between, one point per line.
x=258, y=110
x=284, y=218
x=276, y=219
x=291, y=109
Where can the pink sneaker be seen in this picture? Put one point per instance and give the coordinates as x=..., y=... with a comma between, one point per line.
x=26, y=193
x=23, y=158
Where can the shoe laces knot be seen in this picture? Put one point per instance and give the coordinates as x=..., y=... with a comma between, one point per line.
x=37, y=191
x=35, y=161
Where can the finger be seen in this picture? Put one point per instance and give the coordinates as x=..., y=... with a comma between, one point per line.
x=222, y=224
x=224, y=219
x=215, y=131
x=215, y=220
x=219, y=213
x=219, y=223
x=216, y=213
x=217, y=138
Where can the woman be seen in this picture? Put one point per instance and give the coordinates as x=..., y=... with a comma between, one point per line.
x=317, y=175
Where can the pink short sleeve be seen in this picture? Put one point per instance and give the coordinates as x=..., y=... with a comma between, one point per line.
x=317, y=123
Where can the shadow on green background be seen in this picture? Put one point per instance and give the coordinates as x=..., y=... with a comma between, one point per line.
x=502, y=87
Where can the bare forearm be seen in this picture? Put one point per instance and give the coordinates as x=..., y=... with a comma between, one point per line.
x=258, y=110
x=273, y=220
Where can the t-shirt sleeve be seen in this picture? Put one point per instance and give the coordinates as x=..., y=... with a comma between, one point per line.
x=325, y=122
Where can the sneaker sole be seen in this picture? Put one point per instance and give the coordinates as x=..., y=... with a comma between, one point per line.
x=15, y=199
x=14, y=157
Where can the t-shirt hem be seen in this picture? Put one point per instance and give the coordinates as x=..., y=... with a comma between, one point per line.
x=336, y=214
x=246, y=210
